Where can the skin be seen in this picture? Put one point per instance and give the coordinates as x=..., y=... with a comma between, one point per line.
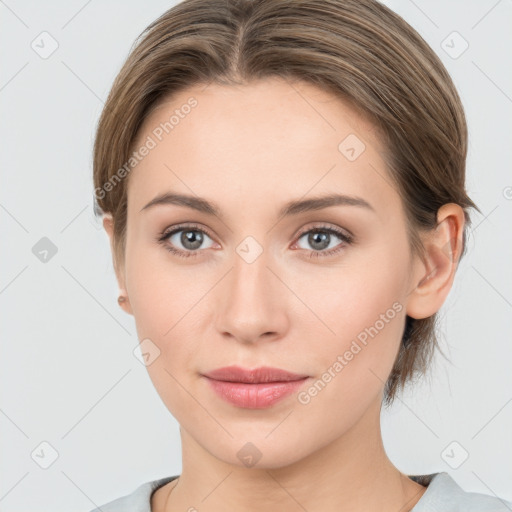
x=251, y=149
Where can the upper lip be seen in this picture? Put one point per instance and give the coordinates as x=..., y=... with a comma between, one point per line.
x=256, y=375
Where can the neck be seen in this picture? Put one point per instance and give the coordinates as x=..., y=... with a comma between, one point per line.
x=352, y=473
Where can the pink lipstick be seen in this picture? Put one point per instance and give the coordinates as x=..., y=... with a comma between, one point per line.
x=254, y=389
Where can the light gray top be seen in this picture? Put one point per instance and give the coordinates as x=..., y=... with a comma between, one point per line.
x=443, y=494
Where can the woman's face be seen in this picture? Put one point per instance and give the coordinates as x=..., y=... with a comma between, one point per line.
x=252, y=287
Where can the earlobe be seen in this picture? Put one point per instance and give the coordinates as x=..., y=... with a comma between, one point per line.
x=434, y=277
x=124, y=303
x=108, y=224
x=123, y=300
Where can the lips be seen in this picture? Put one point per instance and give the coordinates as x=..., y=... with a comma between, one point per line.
x=254, y=389
x=263, y=374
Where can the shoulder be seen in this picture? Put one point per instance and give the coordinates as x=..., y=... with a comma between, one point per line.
x=138, y=500
x=443, y=493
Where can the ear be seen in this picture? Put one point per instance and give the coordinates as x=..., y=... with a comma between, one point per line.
x=433, y=277
x=108, y=224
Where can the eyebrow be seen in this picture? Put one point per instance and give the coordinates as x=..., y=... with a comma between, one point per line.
x=291, y=208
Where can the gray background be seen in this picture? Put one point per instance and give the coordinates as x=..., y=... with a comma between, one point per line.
x=69, y=376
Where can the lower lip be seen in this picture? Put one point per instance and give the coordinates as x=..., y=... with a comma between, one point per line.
x=254, y=396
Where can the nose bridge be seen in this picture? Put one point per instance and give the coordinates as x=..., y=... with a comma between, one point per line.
x=251, y=303
x=250, y=278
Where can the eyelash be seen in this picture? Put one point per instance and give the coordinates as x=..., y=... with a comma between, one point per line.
x=165, y=235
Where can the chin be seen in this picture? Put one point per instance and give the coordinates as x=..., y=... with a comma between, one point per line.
x=257, y=449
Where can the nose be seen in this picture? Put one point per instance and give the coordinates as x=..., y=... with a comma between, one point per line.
x=252, y=302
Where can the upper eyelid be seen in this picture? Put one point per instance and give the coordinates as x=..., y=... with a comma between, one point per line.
x=325, y=227
x=191, y=227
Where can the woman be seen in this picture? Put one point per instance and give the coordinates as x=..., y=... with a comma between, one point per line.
x=283, y=187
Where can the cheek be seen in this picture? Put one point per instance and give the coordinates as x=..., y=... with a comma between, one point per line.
x=367, y=317
x=163, y=293
x=166, y=303
x=347, y=300
x=360, y=312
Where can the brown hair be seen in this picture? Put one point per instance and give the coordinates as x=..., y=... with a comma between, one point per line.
x=359, y=50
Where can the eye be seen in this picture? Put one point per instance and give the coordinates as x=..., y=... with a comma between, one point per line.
x=185, y=241
x=322, y=238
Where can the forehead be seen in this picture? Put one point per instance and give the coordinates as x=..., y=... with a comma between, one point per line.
x=266, y=140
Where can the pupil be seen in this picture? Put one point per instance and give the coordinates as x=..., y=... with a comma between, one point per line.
x=321, y=238
x=191, y=239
